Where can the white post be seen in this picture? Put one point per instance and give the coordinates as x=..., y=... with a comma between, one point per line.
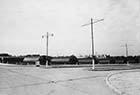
x=47, y=63
x=93, y=62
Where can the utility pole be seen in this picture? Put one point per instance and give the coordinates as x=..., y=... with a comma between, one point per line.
x=126, y=52
x=47, y=43
x=92, y=39
x=126, y=48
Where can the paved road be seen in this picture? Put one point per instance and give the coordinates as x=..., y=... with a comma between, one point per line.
x=18, y=80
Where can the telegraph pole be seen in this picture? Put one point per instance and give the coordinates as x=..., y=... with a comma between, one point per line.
x=126, y=48
x=47, y=40
x=92, y=39
x=47, y=45
x=126, y=52
x=92, y=43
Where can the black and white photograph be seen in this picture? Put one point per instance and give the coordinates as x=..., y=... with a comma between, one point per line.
x=69, y=47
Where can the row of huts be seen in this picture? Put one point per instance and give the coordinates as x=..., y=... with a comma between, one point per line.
x=32, y=59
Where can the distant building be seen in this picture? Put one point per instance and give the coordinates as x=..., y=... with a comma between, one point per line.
x=64, y=60
x=3, y=56
x=31, y=60
x=83, y=60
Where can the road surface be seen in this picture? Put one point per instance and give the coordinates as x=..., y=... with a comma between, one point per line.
x=23, y=80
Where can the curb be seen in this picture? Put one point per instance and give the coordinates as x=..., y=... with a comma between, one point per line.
x=2, y=64
x=113, y=88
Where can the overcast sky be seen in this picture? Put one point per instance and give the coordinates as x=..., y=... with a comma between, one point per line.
x=23, y=22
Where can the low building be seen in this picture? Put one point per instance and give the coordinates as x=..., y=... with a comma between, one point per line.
x=132, y=60
x=120, y=61
x=13, y=60
x=31, y=60
x=104, y=61
x=84, y=61
x=64, y=60
x=3, y=56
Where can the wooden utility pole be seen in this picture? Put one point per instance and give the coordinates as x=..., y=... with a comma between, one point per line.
x=47, y=40
x=126, y=48
x=47, y=45
x=126, y=52
x=92, y=39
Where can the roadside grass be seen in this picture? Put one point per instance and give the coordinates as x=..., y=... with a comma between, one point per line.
x=98, y=67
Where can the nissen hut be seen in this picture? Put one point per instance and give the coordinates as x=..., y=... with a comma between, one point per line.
x=64, y=60
x=31, y=60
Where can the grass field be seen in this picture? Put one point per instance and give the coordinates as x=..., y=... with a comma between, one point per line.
x=100, y=67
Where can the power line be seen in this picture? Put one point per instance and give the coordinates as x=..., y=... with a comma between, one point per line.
x=92, y=38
